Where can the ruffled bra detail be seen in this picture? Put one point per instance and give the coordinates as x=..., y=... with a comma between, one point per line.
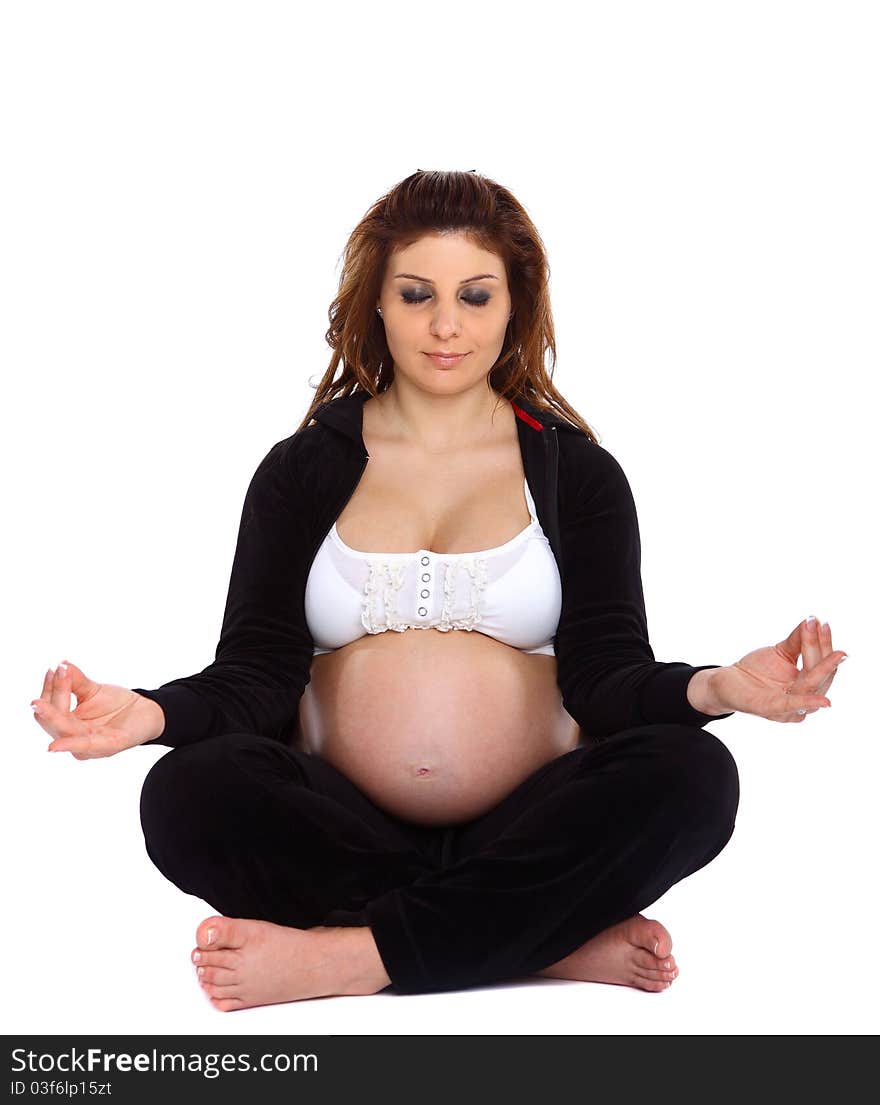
x=512, y=592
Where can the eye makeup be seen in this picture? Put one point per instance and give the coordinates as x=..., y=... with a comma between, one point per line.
x=413, y=296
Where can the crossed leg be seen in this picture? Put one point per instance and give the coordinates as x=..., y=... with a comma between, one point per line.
x=247, y=963
x=551, y=882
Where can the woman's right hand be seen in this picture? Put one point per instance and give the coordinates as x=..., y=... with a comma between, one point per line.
x=107, y=719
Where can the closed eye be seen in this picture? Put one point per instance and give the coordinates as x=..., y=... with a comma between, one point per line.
x=408, y=297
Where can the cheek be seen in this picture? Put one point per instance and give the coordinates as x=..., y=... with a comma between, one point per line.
x=407, y=323
x=492, y=332
x=400, y=331
x=483, y=331
x=486, y=326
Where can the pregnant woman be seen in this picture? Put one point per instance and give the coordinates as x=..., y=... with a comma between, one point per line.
x=434, y=749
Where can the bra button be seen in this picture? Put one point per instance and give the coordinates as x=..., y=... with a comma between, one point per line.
x=425, y=560
x=426, y=594
x=422, y=611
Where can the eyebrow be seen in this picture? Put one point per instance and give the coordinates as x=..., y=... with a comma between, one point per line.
x=425, y=280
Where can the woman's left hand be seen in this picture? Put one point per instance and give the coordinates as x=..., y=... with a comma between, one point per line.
x=768, y=682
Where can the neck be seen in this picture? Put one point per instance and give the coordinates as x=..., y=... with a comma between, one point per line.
x=442, y=423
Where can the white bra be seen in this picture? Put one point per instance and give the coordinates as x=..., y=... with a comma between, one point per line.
x=512, y=593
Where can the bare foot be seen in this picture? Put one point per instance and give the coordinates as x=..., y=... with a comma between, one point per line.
x=624, y=955
x=247, y=963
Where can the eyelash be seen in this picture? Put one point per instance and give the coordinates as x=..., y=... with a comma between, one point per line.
x=407, y=298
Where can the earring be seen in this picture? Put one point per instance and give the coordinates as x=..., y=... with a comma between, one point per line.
x=379, y=309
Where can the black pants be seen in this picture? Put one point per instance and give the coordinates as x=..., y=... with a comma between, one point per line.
x=260, y=830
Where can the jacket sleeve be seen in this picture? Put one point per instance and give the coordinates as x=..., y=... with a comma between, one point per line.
x=263, y=658
x=606, y=669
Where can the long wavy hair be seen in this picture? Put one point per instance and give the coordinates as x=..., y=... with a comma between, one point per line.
x=427, y=202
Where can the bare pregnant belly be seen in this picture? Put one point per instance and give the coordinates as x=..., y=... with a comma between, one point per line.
x=435, y=728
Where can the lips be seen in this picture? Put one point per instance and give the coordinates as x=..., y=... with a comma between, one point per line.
x=446, y=360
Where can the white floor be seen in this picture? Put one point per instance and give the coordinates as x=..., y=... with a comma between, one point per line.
x=777, y=935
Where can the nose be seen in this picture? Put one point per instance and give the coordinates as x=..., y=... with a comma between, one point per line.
x=445, y=320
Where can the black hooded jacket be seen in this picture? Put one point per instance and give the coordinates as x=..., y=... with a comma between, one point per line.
x=606, y=671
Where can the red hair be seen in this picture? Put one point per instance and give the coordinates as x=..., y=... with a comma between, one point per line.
x=430, y=202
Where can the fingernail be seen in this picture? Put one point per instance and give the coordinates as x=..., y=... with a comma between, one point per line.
x=811, y=622
x=212, y=935
x=62, y=669
x=36, y=707
x=844, y=657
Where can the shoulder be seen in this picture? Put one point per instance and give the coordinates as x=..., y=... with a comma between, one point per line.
x=584, y=463
x=293, y=457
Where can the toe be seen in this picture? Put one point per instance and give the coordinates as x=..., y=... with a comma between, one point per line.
x=216, y=976
x=222, y=997
x=654, y=985
x=227, y=1005
x=660, y=942
x=219, y=989
x=220, y=932
x=646, y=960
x=650, y=935
x=209, y=932
x=657, y=976
x=226, y=957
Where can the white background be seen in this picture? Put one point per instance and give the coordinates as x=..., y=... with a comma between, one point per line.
x=179, y=182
